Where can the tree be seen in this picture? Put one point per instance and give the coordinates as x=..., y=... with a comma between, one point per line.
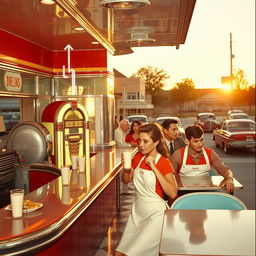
x=154, y=79
x=183, y=92
x=239, y=80
x=240, y=86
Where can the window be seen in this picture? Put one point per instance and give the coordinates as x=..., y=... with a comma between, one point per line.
x=131, y=96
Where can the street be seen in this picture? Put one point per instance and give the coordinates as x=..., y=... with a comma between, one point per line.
x=241, y=162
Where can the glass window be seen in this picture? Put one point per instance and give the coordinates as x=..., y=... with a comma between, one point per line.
x=45, y=86
x=25, y=82
x=10, y=110
x=131, y=96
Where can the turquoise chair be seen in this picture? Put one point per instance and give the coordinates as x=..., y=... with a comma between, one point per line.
x=208, y=200
x=212, y=172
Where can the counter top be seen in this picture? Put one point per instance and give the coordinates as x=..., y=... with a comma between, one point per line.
x=208, y=232
x=62, y=205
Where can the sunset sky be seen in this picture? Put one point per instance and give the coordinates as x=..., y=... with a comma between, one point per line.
x=205, y=56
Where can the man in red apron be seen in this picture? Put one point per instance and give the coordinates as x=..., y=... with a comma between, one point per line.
x=197, y=160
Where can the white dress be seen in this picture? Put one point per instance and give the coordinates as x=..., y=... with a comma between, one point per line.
x=142, y=233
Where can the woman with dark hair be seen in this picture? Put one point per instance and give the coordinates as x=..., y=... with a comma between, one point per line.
x=152, y=175
x=133, y=135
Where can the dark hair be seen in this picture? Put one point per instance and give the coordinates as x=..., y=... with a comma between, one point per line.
x=166, y=123
x=138, y=122
x=194, y=131
x=156, y=134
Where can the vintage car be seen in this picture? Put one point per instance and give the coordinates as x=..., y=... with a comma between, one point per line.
x=142, y=118
x=237, y=116
x=235, y=111
x=207, y=121
x=161, y=119
x=234, y=134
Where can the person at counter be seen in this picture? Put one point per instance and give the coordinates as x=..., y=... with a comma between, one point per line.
x=197, y=160
x=120, y=134
x=152, y=175
x=116, y=123
x=133, y=135
x=171, y=130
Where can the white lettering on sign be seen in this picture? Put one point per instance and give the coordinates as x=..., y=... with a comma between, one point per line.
x=12, y=81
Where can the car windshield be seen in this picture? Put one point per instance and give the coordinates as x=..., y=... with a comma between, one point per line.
x=207, y=117
x=139, y=118
x=239, y=116
x=241, y=126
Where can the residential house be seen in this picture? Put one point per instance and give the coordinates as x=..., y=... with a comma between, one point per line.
x=130, y=96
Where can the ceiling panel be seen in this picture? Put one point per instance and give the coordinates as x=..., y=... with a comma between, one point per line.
x=162, y=23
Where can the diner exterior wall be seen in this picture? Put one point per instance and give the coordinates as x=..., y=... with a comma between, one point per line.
x=23, y=54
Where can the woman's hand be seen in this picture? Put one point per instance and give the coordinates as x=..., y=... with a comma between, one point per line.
x=150, y=160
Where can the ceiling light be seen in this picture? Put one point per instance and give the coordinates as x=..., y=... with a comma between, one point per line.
x=140, y=38
x=124, y=4
x=47, y=2
x=78, y=29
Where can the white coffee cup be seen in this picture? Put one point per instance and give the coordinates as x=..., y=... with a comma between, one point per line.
x=65, y=173
x=127, y=155
x=81, y=163
x=17, y=197
x=74, y=162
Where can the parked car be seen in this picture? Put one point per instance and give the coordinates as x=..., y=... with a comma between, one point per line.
x=237, y=116
x=207, y=121
x=161, y=119
x=235, y=111
x=142, y=118
x=235, y=133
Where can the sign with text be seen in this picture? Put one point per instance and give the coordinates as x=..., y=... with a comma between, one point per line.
x=12, y=81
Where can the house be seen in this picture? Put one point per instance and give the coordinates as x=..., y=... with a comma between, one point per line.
x=130, y=96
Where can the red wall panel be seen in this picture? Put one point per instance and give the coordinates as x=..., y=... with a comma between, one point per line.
x=34, y=57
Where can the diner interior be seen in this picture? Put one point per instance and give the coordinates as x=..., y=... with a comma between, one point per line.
x=58, y=104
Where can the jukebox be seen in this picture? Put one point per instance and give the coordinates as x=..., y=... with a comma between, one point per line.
x=68, y=123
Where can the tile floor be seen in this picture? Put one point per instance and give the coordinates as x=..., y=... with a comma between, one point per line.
x=113, y=236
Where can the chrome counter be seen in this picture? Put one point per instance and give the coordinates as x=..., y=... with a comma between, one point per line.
x=63, y=205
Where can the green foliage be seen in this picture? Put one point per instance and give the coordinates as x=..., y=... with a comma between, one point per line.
x=154, y=79
x=183, y=92
x=239, y=80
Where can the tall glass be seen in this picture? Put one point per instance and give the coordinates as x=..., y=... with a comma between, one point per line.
x=17, y=197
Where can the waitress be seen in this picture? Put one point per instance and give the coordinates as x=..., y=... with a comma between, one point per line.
x=152, y=175
x=197, y=160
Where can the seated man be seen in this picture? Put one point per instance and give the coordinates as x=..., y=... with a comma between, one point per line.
x=196, y=160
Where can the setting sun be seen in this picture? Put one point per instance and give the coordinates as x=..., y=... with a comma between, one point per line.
x=226, y=87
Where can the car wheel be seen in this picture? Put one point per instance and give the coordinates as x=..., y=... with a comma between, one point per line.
x=226, y=150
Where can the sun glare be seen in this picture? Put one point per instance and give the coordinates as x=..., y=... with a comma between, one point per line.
x=226, y=87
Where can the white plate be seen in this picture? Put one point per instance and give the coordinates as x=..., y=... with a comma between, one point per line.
x=8, y=207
